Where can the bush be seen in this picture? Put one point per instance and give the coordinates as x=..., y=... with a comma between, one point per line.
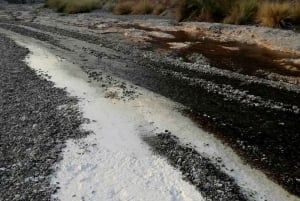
x=74, y=6
x=273, y=14
x=242, y=12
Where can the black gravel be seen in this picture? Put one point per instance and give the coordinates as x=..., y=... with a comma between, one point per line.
x=27, y=32
x=252, y=86
x=25, y=1
x=198, y=170
x=267, y=137
x=263, y=135
x=35, y=121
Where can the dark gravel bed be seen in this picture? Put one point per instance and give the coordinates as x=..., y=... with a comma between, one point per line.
x=35, y=121
x=27, y=32
x=252, y=86
x=266, y=137
x=25, y=1
x=198, y=170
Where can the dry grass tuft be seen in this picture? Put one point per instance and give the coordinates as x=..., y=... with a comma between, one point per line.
x=203, y=10
x=296, y=13
x=142, y=7
x=124, y=8
x=158, y=9
x=139, y=7
x=273, y=14
x=188, y=9
x=74, y=6
x=270, y=13
x=242, y=12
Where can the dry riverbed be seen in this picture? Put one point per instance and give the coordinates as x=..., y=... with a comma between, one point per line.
x=201, y=98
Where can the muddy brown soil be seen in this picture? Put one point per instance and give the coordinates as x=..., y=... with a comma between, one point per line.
x=248, y=59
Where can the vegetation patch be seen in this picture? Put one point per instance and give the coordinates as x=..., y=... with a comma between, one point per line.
x=277, y=14
x=271, y=13
x=141, y=7
x=201, y=10
x=274, y=14
x=123, y=8
x=296, y=13
x=159, y=9
x=242, y=12
x=74, y=6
